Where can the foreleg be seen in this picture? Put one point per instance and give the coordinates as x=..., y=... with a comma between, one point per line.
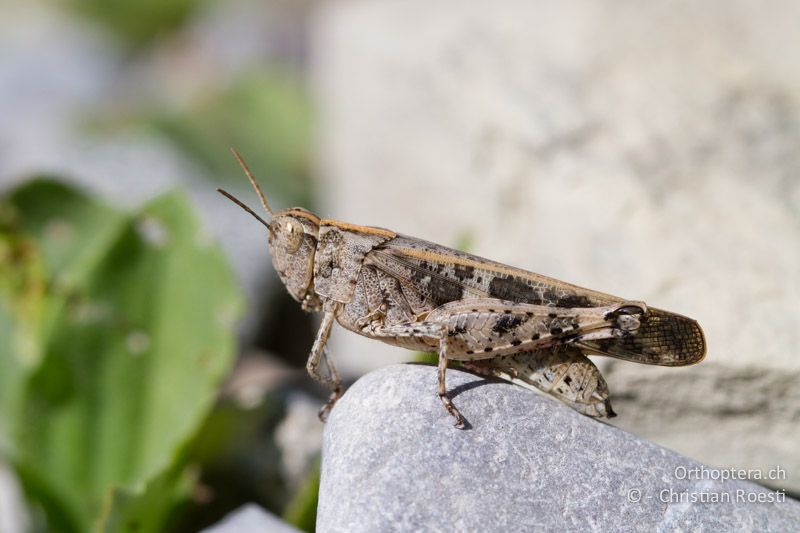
x=318, y=352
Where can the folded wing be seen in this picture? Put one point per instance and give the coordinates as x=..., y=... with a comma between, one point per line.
x=663, y=338
x=443, y=275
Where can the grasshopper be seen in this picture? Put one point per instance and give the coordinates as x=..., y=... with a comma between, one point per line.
x=495, y=319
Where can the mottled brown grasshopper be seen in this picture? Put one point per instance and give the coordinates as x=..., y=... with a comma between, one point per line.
x=497, y=320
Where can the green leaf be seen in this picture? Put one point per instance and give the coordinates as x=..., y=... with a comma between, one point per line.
x=301, y=511
x=145, y=508
x=22, y=289
x=137, y=23
x=136, y=332
x=428, y=358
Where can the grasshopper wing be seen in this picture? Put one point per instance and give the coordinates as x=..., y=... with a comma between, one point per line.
x=442, y=275
x=663, y=338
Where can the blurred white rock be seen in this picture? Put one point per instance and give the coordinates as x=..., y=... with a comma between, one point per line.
x=14, y=517
x=646, y=150
x=251, y=518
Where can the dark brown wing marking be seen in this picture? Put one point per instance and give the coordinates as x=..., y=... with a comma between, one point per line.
x=435, y=286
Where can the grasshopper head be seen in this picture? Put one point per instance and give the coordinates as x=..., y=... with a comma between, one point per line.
x=293, y=235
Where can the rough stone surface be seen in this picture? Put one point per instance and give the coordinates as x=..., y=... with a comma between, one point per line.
x=643, y=149
x=392, y=461
x=251, y=519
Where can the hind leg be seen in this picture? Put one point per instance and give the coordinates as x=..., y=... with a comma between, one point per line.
x=565, y=374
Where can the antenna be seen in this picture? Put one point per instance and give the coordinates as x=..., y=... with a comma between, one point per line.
x=238, y=202
x=252, y=182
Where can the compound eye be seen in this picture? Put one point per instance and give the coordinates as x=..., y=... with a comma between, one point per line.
x=292, y=232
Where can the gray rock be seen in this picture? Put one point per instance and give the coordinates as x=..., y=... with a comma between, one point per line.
x=392, y=461
x=251, y=519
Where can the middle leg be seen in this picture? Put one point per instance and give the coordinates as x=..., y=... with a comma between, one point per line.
x=336, y=391
x=434, y=332
x=446, y=400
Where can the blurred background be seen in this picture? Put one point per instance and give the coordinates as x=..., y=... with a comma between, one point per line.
x=151, y=364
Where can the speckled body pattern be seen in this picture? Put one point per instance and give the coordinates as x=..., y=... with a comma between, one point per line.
x=498, y=320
